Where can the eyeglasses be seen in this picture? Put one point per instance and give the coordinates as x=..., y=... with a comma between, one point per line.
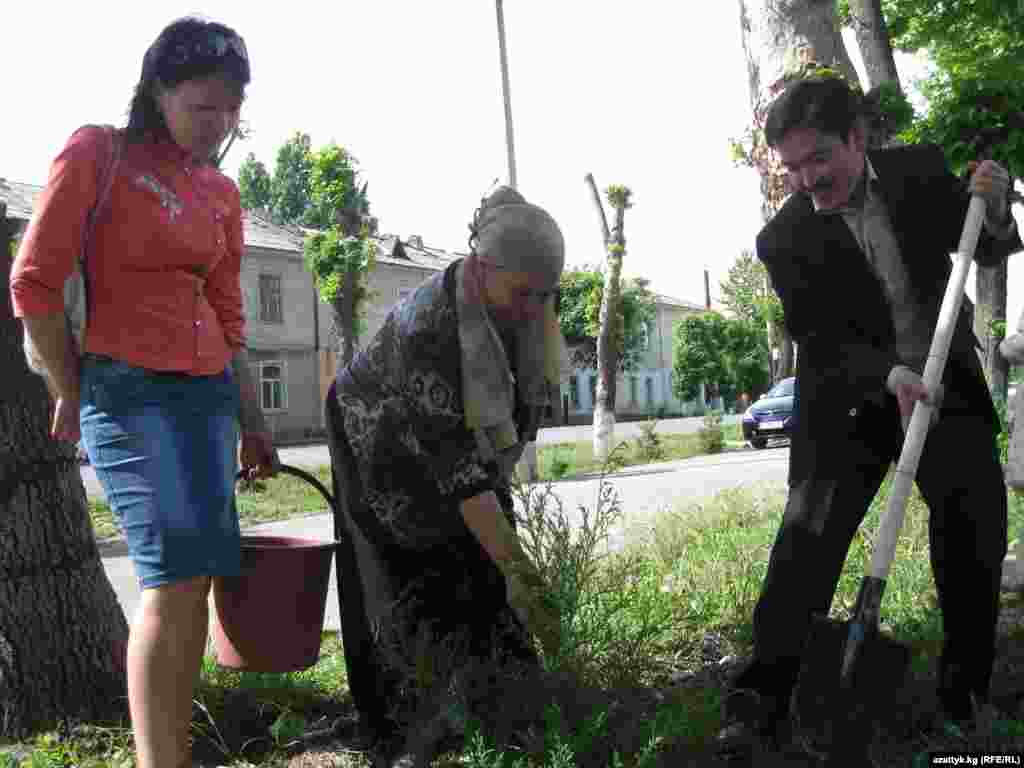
x=212, y=45
x=525, y=293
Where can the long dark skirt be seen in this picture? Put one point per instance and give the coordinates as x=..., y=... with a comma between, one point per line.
x=413, y=621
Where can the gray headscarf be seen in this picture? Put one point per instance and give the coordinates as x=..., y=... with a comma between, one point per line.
x=510, y=234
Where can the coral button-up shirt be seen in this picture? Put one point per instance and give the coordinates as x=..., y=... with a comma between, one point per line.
x=163, y=266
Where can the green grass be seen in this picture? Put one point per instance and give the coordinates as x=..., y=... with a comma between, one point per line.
x=103, y=524
x=565, y=460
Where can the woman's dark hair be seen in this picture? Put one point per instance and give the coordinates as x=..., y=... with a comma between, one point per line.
x=827, y=104
x=186, y=49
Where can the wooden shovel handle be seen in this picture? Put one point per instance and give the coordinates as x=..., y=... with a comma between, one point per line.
x=913, y=443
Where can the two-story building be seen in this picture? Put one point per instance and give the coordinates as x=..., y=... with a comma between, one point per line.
x=647, y=389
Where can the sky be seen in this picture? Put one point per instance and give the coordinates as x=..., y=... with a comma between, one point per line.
x=645, y=94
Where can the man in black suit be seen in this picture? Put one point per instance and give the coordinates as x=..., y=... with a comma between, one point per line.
x=859, y=256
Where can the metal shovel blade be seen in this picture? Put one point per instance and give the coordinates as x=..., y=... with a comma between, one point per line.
x=834, y=710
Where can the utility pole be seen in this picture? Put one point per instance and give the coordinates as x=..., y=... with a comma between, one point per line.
x=509, y=143
x=528, y=462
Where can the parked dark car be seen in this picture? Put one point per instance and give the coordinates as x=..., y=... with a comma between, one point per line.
x=771, y=416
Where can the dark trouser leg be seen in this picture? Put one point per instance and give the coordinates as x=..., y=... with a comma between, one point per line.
x=822, y=514
x=962, y=482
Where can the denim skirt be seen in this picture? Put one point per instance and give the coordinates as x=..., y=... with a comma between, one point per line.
x=164, y=448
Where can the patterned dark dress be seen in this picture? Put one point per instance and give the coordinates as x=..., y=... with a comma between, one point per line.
x=417, y=590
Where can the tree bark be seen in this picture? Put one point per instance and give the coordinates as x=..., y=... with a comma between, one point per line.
x=777, y=36
x=874, y=43
x=607, y=349
x=345, y=319
x=990, y=311
x=63, y=635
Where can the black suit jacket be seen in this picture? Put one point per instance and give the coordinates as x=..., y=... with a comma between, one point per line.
x=837, y=311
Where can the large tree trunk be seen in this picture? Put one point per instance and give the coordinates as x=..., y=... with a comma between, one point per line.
x=63, y=635
x=868, y=24
x=778, y=36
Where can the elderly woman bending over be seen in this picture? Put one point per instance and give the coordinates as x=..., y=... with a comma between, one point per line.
x=427, y=424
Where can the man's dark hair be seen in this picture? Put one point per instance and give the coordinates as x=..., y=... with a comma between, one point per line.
x=826, y=104
x=186, y=49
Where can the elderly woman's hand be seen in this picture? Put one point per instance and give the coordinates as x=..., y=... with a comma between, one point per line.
x=532, y=602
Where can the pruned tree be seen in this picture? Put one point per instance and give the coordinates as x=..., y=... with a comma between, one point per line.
x=581, y=295
x=342, y=255
x=63, y=635
x=610, y=318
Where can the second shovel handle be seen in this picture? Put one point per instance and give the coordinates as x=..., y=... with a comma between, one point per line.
x=913, y=444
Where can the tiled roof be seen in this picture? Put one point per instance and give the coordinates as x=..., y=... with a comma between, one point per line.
x=260, y=232
x=671, y=301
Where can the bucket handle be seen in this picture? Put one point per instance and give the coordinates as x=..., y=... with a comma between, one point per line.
x=302, y=475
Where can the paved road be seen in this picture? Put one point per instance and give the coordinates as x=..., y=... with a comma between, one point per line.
x=312, y=456
x=643, y=491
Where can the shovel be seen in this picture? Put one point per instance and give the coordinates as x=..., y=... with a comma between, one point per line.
x=851, y=668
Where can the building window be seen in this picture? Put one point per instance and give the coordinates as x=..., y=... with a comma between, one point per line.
x=649, y=386
x=273, y=390
x=270, y=299
x=574, y=392
x=634, y=383
x=402, y=293
x=593, y=390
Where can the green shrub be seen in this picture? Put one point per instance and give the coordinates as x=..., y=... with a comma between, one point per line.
x=712, y=437
x=648, y=444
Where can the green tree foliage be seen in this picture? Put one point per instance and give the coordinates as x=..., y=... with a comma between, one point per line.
x=290, y=192
x=699, y=346
x=727, y=355
x=971, y=119
x=254, y=184
x=745, y=291
x=579, y=316
x=334, y=191
x=976, y=93
x=746, y=354
x=967, y=38
x=341, y=253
